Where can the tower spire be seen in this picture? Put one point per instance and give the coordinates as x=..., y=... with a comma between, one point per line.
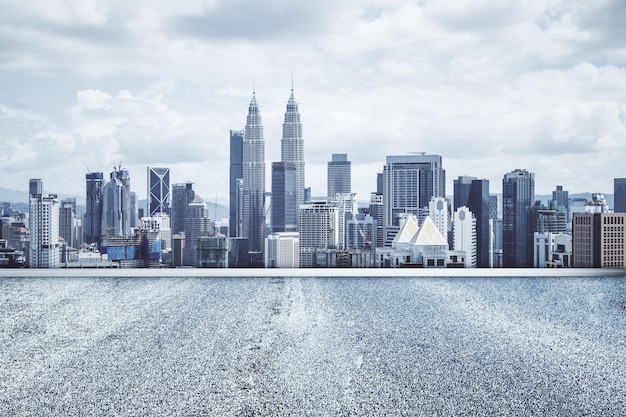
x=292, y=82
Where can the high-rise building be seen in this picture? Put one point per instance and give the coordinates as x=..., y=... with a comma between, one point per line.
x=410, y=181
x=560, y=198
x=282, y=250
x=464, y=232
x=619, y=195
x=158, y=191
x=284, y=211
x=346, y=205
x=317, y=225
x=438, y=212
x=197, y=223
x=253, y=170
x=479, y=202
x=67, y=221
x=92, y=225
x=292, y=146
x=518, y=194
x=376, y=211
x=44, y=227
x=116, y=204
x=182, y=195
x=339, y=176
x=599, y=240
x=236, y=183
x=462, y=187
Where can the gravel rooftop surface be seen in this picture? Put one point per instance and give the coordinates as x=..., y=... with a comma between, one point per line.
x=312, y=346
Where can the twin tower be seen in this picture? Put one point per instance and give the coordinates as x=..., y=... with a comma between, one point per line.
x=248, y=208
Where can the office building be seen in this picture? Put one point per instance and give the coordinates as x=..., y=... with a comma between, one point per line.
x=619, y=195
x=253, y=170
x=561, y=202
x=317, y=225
x=479, y=203
x=410, y=181
x=158, y=191
x=67, y=221
x=212, y=251
x=235, y=183
x=44, y=228
x=518, y=194
x=462, y=188
x=339, y=175
x=116, y=205
x=182, y=195
x=292, y=147
x=552, y=250
x=282, y=250
x=438, y=212
x=346, y=205
x=599, y=240
x=92, y=224
x=284, y=213
x=197, y=223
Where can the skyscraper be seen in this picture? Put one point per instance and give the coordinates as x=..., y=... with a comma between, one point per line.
x=518, y=194
x=67, y=213
x=44, y=227
x=182, y=195
x=158, y=191
x=317, y=224
x=284, y=210
x=292, y=146
x=479, y=204
x=197, y=223
x=410, y=181
x=462, y=187
x=116, y=204
x=619, y=195
x=560, y=198
x=93, y=207
x=235, y=182
x=339, y=176
x=253, y=170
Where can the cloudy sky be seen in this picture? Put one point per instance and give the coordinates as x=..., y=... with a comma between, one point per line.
x=489, y=85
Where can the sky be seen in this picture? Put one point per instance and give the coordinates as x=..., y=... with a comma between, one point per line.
x=492, y=86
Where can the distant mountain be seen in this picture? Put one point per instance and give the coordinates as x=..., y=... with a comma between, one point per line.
x=17, y=196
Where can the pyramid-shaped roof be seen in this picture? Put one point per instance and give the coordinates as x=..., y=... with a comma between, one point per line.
x=428, y=234
x=407, y=231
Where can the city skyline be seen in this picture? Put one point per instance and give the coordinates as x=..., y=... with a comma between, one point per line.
x=490, y=88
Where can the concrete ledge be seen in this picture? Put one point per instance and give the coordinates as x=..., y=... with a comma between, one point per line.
x=315, y=272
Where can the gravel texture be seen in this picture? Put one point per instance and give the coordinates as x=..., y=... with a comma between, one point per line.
x=312, y=346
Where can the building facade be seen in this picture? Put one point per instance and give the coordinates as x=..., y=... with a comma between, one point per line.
x=284, y=213
x=464, y=232
x=182, y=195
x=92, y=224
x=317, y=225
x=253, y=170
x=598, y=240
x=116, y=205
x=292, y=147
x=44, y=228
x=235, y=183
x=282, y=250
x=197, y=223
x=518, y=194
x=158, y=191
x=409, y=183
x=619, y=195
x=339, y=175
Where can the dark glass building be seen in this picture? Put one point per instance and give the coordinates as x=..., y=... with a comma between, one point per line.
x=339, y=175
x=158, y=191
x=284, y=209
x=182, y=195
x=518, y=194
x=479, y=204
x=92, y=225
x=462, y=187
x=235, y=181
x=619, y=195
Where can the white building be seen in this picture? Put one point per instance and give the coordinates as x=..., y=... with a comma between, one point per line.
x=282, y=250
x=317, y=223
x=414, y=246
x=44, y=228
x=552, y=250
x=438, y=212
x=346, y=208
x=464, y=232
